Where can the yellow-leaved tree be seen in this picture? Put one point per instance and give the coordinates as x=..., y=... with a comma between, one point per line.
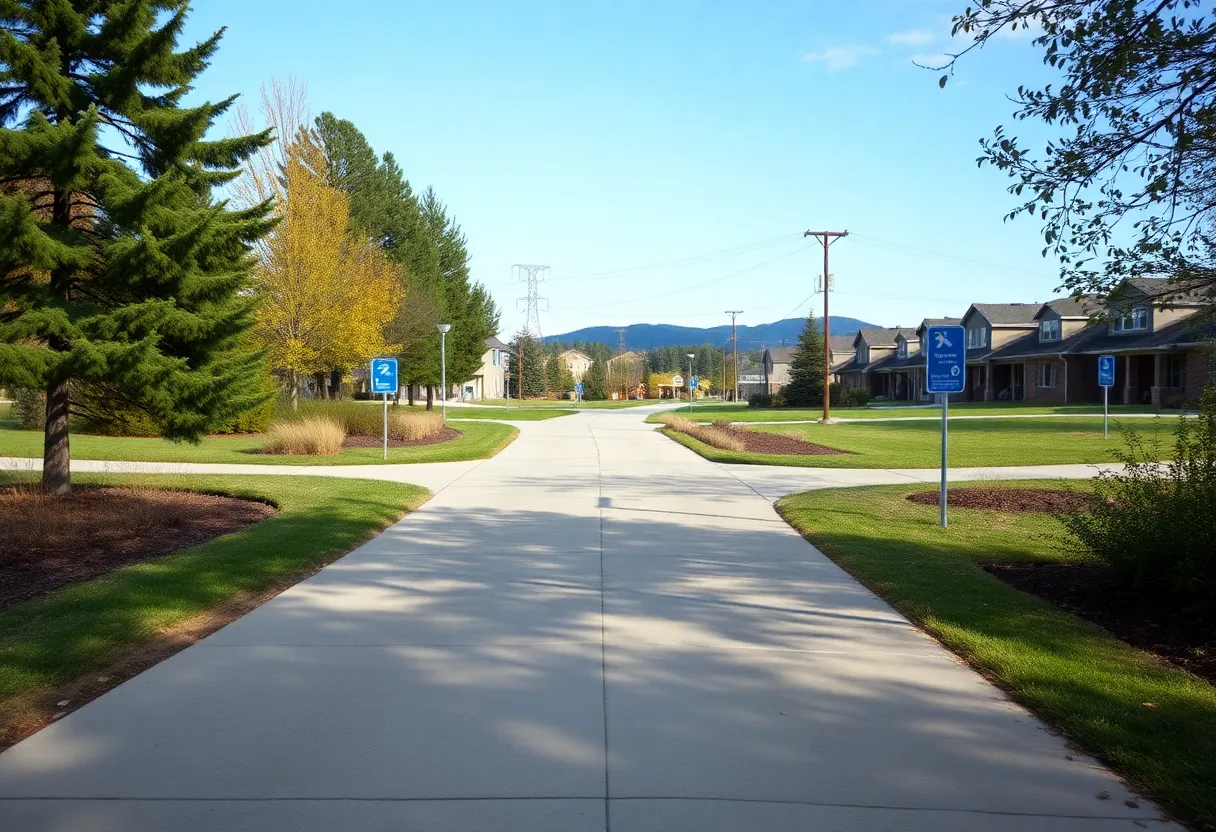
x=326, y=295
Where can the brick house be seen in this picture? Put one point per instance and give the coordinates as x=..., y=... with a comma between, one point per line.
x=876, y=360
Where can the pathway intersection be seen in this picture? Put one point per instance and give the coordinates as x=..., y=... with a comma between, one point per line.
x=594, y=630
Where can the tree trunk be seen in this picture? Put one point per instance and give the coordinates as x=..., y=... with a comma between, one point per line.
x=293, y=384
x=430, y=397
x=410, y=393
x=322, y=387
x=56, y=453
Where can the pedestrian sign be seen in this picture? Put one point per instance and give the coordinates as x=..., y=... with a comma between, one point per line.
x=945, y=359
x=693, y=382
x=578, y=388
x=384, y=375
x=1106, y=370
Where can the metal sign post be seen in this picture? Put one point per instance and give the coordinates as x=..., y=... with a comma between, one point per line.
x=945, y=373
x=578, y=392
x=384, y=381
x=1106, y=378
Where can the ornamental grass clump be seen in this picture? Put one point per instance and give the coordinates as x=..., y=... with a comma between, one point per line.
x=413, y=427
x=310, y=436
x=1154, y=523
x=716, y=435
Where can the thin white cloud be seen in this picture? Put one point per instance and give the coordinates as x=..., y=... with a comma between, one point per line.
x=913, y=37
x=841, y=57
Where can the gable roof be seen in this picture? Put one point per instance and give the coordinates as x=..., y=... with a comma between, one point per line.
x=494, y=344
x=780, y=355
x=1073, y=307
x=575, y=353
x=841, y=343
x=1167, y=290
x=1006, y=314
x=882, y=337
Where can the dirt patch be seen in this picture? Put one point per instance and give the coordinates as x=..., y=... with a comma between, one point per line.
x=445, y=435
x=48, y=542
x=1050, y=500
x=1172, y=634
x=777, y=443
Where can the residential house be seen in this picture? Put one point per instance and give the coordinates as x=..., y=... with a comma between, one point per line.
x=840, y=353
x=490, y=381
x=874, y=349
x=1159, y=349
x=774, y=369
x=577, y=362
x=751, y=381
x=990, y=327
x=627, y=376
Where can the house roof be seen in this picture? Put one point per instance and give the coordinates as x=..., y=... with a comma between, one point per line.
x=628, y=355
x=927, y=322
x=883, y=337
x=841, y=343
x=575, y=353
x=1170, y=291
x=494, y=344
x=1099, y=339
x=1006, y=314
x=1073, y=307
x=780, y=355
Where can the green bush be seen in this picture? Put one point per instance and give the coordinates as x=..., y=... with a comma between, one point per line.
x=858, y=397
x=1154, y=524
x=760, y=400
x=29, y=408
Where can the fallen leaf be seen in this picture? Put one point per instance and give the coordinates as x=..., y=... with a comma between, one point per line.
x=1149, y=704
x=1131, y=804
x=63, y=703
x=61, y=713
x=1103, y=795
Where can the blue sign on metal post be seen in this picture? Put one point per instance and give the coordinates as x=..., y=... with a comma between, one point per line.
x=945, y=349
x=578, y=388
x=693, y=382
x=384, y=375
x=1106, y=370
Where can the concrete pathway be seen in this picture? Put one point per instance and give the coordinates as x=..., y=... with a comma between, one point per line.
x=595, y=630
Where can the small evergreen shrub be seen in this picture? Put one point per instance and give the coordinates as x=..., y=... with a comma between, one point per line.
x=29, y=409
x=760, y=400
x=1154, y=524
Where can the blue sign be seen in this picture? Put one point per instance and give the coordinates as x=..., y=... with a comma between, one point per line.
x=945, y=349
x=384, y=375
x=578, y=387
x=1106, y=371
x=693, y=382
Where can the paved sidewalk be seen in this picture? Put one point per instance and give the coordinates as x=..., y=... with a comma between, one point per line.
x=594, y=630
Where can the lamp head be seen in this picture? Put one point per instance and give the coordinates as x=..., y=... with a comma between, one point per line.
x=691, y=355
x=443, y=327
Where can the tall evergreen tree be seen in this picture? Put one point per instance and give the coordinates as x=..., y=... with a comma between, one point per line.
x=806, y=367
x=595, y=382
x=533, y=357
x=111, y=275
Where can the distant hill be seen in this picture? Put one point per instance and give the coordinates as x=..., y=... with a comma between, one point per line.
x=652, y=336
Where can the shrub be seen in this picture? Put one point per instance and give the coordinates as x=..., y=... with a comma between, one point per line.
x=676, y=422
x=1176, y=402
x=411, y=427
x=310, y=436
x=760, y=400
x=356, y=418
x=1153, y=523
x=722, y=423
x=779, y=399
x=858, y=397
x=29, y=408
x=714, y=435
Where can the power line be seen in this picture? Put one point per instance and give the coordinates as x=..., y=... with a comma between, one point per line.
x=678, y=261
x=904, y=248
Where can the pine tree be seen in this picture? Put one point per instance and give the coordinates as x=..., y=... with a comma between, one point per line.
x=595, y=382
x=109, y=275
x=806, y=368
x=533, y=365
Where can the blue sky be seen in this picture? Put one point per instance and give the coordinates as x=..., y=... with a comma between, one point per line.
x=600, y=137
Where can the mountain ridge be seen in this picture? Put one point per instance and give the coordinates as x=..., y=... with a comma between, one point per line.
x=651, y=336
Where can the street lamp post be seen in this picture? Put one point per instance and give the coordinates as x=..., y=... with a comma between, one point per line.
x=691, y=356
x=443, y=368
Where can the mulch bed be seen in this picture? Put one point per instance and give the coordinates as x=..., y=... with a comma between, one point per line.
x=776, y=443
x=48, y=542
x=1161, y=628
x=1051, y=500
x=445, y=435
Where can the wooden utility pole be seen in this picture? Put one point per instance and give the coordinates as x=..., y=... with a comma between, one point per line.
x=826, y=238
x=734, y=341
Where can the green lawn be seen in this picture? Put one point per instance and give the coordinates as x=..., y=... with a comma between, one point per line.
x=1072, y=674
x=566, y=403
x=515, y=414
x=973, y=443
x=743, y=413
x=480, y=440
x=88, y=626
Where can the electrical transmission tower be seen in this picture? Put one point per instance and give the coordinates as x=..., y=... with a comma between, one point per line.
x=533, y=276
x=620, y=340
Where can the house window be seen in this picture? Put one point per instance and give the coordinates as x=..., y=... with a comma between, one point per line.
x=1046, y=375
x=1175, y=370
x=902, y=352
x=977, y=337
x=1049, y=329
x=496, y=358
x=863, y=354
x=1131, y=321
